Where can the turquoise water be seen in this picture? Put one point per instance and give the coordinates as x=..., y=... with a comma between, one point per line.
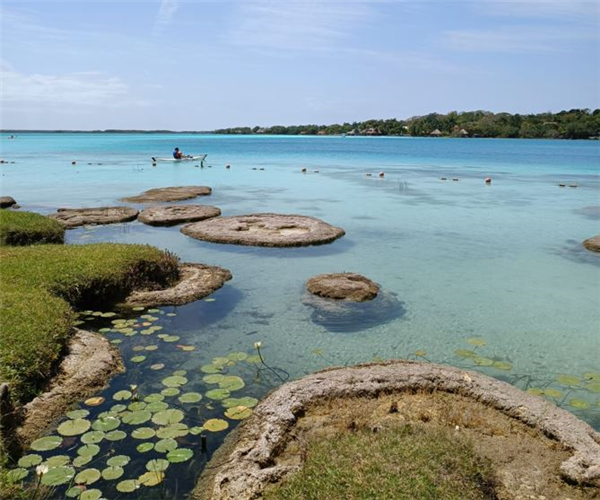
x=462, y=260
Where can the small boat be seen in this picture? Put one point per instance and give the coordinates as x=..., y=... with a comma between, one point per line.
x=199, y=158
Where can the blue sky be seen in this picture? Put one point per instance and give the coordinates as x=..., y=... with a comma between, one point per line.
x=200, y=65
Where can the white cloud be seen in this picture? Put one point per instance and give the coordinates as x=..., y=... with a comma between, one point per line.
x=519, y=39
x=77, y=89
x=166, y=11
x=301, y=25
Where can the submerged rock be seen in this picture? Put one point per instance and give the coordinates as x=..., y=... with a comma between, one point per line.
x=170, y=194
x=197, y=281
x=348, y=316
x=592, y=244
x=74, y=217
x=269, y=230
x=343, y=286
x=171, y=215
x=7, y=201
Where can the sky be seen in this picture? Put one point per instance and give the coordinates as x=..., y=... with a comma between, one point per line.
x=201, y=65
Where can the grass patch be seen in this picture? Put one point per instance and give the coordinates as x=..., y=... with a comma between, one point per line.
x=407, y=462
x=27, y=228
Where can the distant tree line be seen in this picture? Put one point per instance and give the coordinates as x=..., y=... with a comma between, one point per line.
x=572, y=124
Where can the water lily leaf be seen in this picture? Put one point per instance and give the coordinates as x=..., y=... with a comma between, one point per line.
x=17, y=475
x=231, y=383
x=153, y=310
x=238, y=412
x=167, y=417
x=74, y=427
x=137, y=406
x=152, y=398
x=128, y=485
x=75, y=414
x=57, y=461
x=171, y=314
x=151, y=348
x=92, y=437
x=172, y=431
x=122, y=395
x=138, y=308
x=46, y=443
x=209, y=300
x=81, y=461
x=143, y=433
x=553, y=393
x=147, y=331
x=245, y=401
x=151, y=478
x=89, y=450
x=91, y=494
x=237, y=356
x=220, y=361
x=115, y=435
x=594, y=387
x=195, y=431
x=137, y=417
x=157, y=366
x=420, y=353
x=158, y=406
x=218, y=394
x=138, y=348
x=165, y=445
x=88, y=476
x=465, y=353
x=30, y=460
x=180, y=373
x=179, y=455
x=174, y=381
x=170, y=391
x=138, y=359
x=112, y=473
x=502, y=365
x=104, y=330
x=536, y=391
x=580, y=404
x=213, y=379
x=144, y=447
x=106, y=424
x=170, y=338
x=157, y=465
x=190, y=397
x=187, y=348
x=568, y=379
x=483, y=361
x=592, y=376
x=75, y=491
x=255, y=358
x=109, y=314
x=116, y=409
x=215, y=425
x=477, y=341
x=58, y=476
x=118, y=461
x=211, y=369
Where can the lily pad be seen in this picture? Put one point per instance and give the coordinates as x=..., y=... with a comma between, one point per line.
x=74, y=427
x=237, y=356
x=75, y=491
x=152, y=398
x=89, y=450
x=115, y=435
x=211, y=369
x=122, y=395
x=137, y=417
x=477, y=341
x=165, y=445
x=502, y=365
x=167, y=417
x=112, y=473
x=580, y=404
x=180, y=373
x=238, y=412
x=91, y=494
x=92, y=437
x=58, y=476
x=593, y=387
x=151, y=348
x=232, y=383
x=128, y=486
x=106, y=424
x=30, y=460
x=179, y=455
x=144, y=447
x=138, y=359
x=78, y=414
x=465, y=353
x=157, y=465
x=245, y=401
x=143, y=433
x=213, y=379
x=137, y=406
x=157, y=366
x=46, y=443
x=483, y=361
x=57, y=461
x=138, y=308
x=535, y=391
x=17, y=475
x=215, y=425
x=81, y=461
x=171, y=338
x=174, y=381
x=151, y=478
x=158, y=406
x=553, y=393
x=118, y=461
x=172, y=431
x=568, y=380
x=88, y=476
x=218, y=394
x=170, y=391
x=190, y=397
x=220, y=361
x=255, y=358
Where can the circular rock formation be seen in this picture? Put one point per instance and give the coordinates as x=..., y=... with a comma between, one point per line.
x=196, y=282
x=533, y=446
x=343, y=286
x=592, y=244
x=170, y=194
x=74, y=217
x=7, y=201
x=267, y=230
x=171, y=215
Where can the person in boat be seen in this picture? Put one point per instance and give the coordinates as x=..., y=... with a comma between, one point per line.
x=178, y=155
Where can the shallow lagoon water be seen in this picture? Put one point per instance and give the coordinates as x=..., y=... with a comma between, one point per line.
x=470, y=263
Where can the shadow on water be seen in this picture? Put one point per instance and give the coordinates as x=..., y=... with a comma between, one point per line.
x=574, y=251
x=592, y=212
x=347, y=317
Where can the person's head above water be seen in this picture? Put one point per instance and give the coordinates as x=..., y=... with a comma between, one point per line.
x=176, y=149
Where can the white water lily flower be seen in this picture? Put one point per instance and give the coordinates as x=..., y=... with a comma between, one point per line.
x=40, y=470
x=257, y=345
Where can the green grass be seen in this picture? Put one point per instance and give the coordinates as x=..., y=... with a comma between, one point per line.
x=27, y=228
x=404, y=463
